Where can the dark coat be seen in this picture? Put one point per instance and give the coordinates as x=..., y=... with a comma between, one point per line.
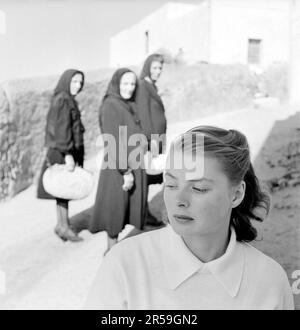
x=64, y=129
x=114, y=208
x=150, y=109
x=150, y=106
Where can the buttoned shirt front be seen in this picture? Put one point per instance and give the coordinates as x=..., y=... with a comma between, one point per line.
x=156, y=270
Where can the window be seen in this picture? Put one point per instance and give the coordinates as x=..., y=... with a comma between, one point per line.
x=146, y=42
x=254, y=49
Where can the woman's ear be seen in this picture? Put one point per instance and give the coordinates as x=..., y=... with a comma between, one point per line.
x=239, y=194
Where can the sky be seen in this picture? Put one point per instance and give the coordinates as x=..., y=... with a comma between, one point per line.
x=44, y=37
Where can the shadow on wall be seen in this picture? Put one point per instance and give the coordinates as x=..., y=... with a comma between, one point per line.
x=4, y=145
x=278, y=166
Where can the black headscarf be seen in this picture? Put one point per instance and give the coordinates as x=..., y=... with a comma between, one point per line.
x=147, y=65
x=114, y=85
x=64, y=82
x=113, y=90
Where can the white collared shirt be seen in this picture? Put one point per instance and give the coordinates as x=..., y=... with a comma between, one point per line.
x=156, y=270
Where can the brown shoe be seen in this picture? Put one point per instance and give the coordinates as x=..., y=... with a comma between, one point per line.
x=59, y=233
x=71, y=236
x=67, y=235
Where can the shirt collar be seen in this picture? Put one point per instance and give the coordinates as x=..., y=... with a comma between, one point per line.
x=227, y=270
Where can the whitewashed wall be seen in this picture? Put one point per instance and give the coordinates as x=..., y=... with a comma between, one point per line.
x=216, y=31
x=295, y=53
x=234, y=22
x=128, y=47
x=191, y=33
x=2, y=23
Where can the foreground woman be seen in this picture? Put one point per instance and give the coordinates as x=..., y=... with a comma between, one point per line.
x=122, y=190
x=64, y=140
x=202, y=259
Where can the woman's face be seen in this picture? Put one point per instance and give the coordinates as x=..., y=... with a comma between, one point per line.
x=127, y=85
x=155, y=70
x=76, y=83
x=199, y=203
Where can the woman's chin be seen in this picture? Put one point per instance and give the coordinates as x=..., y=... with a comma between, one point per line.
x=181, y=227
x=126, y=97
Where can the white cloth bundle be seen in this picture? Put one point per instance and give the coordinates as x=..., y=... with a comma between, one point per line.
x=154, y=165
x=61, y=183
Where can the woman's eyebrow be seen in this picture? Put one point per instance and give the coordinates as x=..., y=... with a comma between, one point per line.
x=200, y=179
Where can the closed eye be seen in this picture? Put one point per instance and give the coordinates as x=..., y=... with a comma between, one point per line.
x=202, y=190
x=169, y=185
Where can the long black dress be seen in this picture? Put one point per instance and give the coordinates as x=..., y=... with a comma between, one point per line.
x=114, y=208
x=151, y=111
x=64, y=130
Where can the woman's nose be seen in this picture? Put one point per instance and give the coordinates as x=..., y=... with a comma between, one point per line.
x=182, y=200
x=183, y=203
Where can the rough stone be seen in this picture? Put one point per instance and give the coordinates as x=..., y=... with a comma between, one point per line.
x=22, y=128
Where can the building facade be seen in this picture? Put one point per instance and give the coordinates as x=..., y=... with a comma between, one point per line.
x=254, y=32
x=294, y=75
x=2, y=23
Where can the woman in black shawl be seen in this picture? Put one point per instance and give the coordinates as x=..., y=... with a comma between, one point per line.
x=122, y=190
x=152, y=113
x=64, y=140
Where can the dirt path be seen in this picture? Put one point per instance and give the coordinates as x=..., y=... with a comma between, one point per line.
x=44, y=273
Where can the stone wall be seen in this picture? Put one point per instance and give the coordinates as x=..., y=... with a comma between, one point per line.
x=22, y=131
x=4, y=145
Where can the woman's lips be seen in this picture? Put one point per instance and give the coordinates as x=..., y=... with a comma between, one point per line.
x=182, y=218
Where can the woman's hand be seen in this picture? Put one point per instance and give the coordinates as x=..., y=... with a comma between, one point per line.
x=128, y=181
x=70, y=163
